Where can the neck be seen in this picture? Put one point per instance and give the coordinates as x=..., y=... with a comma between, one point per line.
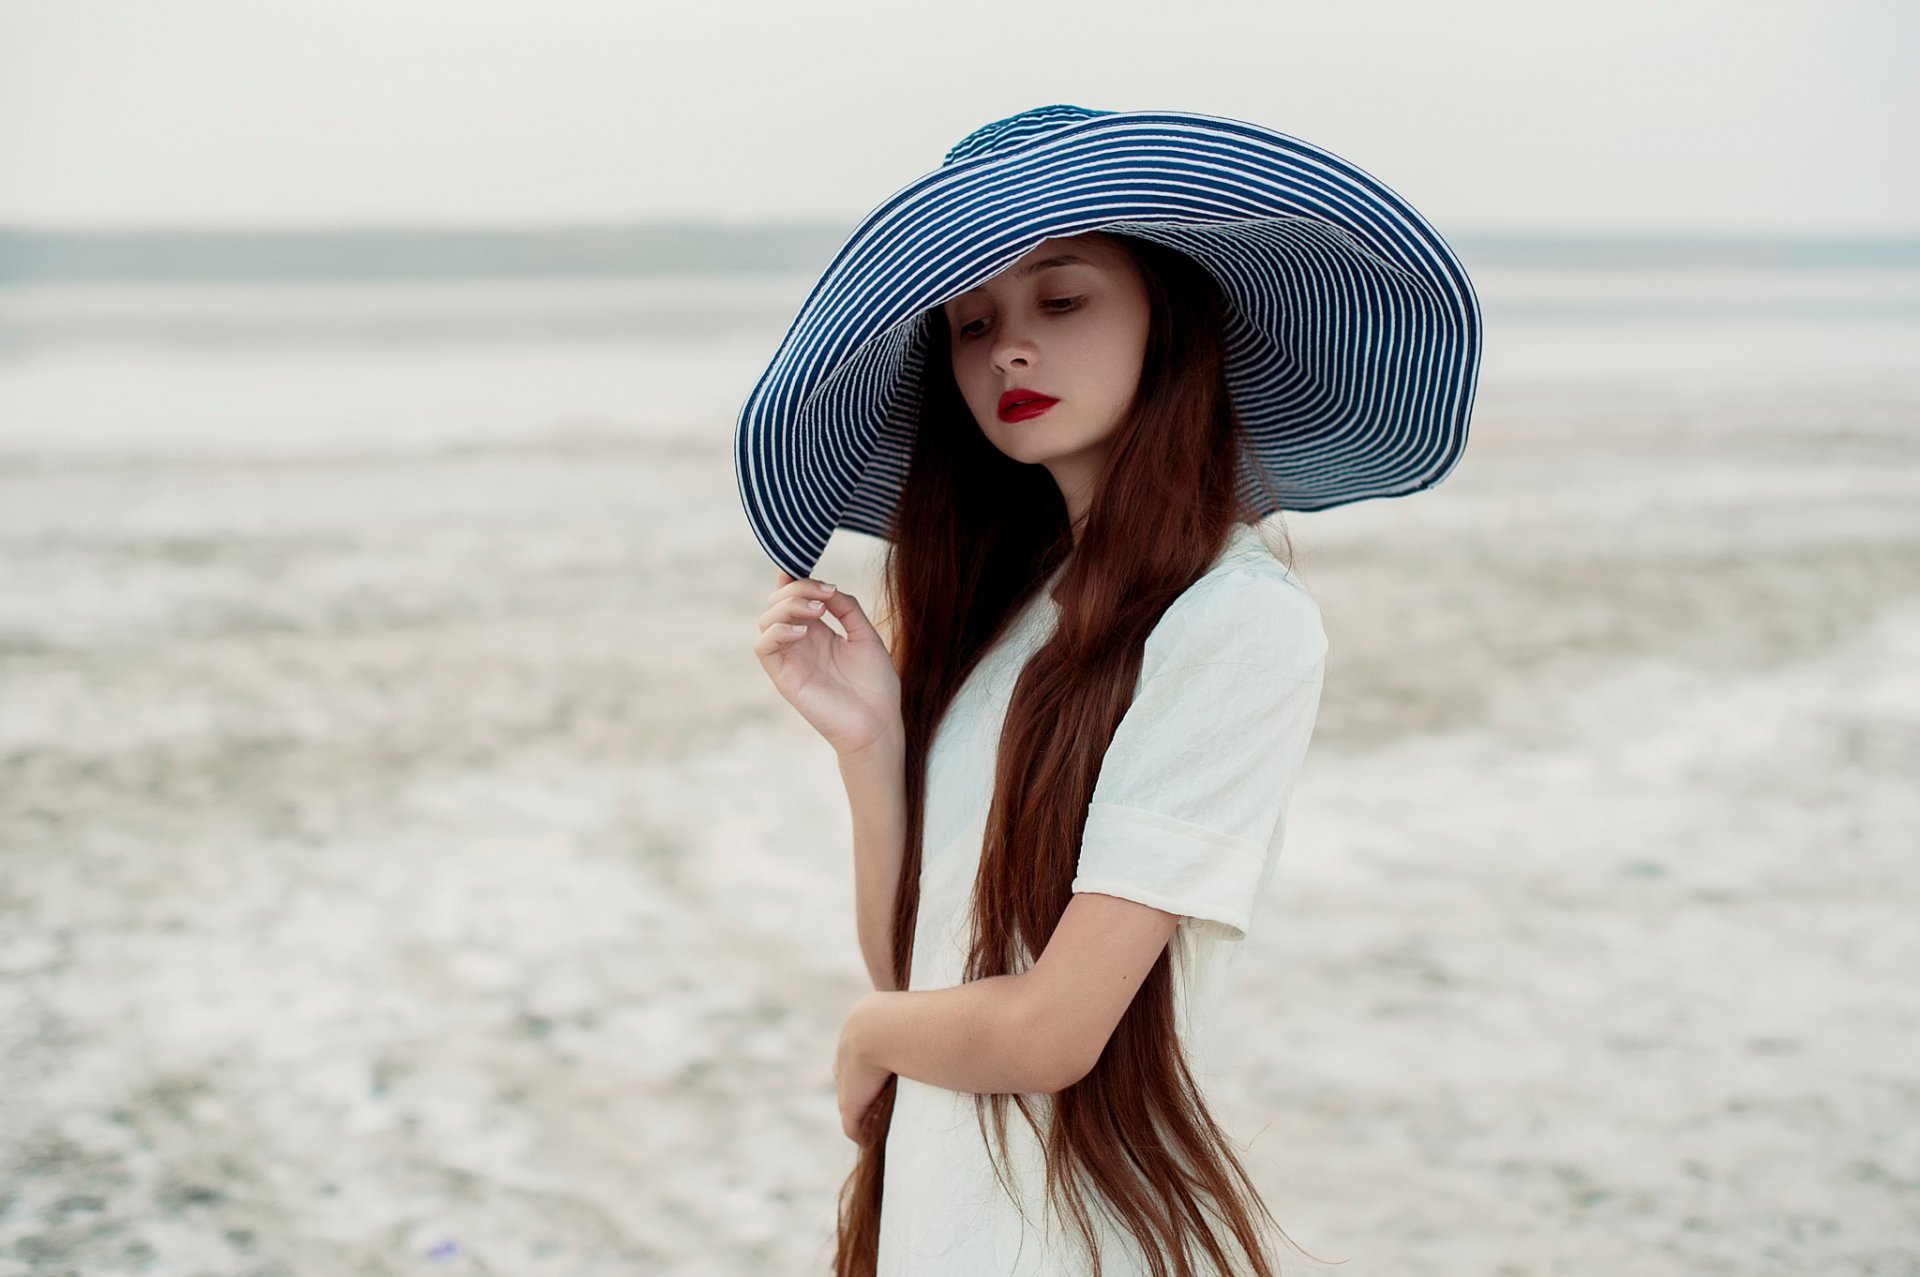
x=1076, y=476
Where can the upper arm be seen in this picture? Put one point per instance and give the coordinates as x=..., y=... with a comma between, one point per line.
x=1190, y=804
x=1086, y=977
x=1188, y=807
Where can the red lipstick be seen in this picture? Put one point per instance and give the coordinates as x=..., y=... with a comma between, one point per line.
x=1019, y=404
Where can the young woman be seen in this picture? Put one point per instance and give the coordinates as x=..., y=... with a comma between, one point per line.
x=1066, y=375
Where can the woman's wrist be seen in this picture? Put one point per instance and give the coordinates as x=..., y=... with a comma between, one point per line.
x=887, y=748
x=857, y=1031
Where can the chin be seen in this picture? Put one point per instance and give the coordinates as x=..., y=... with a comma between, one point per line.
x=1033, y=442
x=1034, y=445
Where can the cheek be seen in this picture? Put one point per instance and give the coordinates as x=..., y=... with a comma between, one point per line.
x=974, y=390
x=1121, y=357
x=966, y=365
x=1137, y=354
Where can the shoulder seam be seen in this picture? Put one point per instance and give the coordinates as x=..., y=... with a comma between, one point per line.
x=1271, y=569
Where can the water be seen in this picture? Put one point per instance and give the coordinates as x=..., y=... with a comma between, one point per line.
x=297, y=368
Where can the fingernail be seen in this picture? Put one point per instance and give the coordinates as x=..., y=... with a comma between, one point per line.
x=799, y=629
x=815, y=604
x=828, y=586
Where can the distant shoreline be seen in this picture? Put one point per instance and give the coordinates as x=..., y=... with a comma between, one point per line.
x=32, y=256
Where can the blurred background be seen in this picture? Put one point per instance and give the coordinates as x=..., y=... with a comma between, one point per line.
x=406, y=867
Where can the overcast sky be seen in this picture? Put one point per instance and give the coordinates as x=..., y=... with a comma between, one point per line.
x=1746, y=115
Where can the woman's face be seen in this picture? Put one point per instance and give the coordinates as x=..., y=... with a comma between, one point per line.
x=1066, y=325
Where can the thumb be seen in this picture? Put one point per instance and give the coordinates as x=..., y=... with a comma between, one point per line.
x=852, y=617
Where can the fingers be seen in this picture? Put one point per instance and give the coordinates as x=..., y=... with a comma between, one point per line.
x=846, y=609
x=793, y=612
x=779, y=633
x=777, y=638
x=808, y=588
x=805, y=602
x=786, y=609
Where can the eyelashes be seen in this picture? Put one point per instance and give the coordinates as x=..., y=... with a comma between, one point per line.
x=1052, y=305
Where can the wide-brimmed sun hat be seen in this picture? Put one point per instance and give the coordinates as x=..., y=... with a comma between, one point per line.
x=1353, y=334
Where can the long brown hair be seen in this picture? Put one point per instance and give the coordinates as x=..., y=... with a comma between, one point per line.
x=975, y=535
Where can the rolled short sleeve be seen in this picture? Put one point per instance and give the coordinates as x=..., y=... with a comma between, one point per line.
x=1192, y=794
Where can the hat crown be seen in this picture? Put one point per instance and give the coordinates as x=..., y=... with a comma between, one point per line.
x=1351, y=334
x=1016, y=130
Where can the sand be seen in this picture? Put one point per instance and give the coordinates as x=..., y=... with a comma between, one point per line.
x=405, y=866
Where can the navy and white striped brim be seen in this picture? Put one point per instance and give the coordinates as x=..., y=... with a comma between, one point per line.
x=1353, y=343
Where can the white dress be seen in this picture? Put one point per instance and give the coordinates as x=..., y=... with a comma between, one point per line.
x=1187, y=815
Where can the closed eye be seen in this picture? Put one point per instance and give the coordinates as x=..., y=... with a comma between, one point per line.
x=1053, y=305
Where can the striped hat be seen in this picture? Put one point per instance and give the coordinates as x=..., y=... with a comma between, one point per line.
x=1353, y=334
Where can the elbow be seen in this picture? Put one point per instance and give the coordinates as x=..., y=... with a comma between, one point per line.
x=1062, y=1073
x=1067, y=1064
x=1045, y=1040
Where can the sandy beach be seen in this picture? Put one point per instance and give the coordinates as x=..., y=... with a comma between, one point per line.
x=406, y=867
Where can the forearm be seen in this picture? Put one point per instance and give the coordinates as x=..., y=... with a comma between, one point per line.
x=877, y=795
x=982, y=1036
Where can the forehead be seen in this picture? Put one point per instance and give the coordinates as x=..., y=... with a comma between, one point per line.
x=1091, y=248
x=1078, y=250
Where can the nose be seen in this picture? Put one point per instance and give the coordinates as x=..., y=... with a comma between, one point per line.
x=1012, y=348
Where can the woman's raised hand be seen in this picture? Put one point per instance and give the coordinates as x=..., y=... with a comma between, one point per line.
x=847, y=687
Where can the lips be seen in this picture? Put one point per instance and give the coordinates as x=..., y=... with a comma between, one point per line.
x=1019, y=404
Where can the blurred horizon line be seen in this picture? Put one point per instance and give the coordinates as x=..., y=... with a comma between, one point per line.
x=687, y=246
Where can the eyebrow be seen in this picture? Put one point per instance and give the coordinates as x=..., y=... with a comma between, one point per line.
x=1034, y=268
